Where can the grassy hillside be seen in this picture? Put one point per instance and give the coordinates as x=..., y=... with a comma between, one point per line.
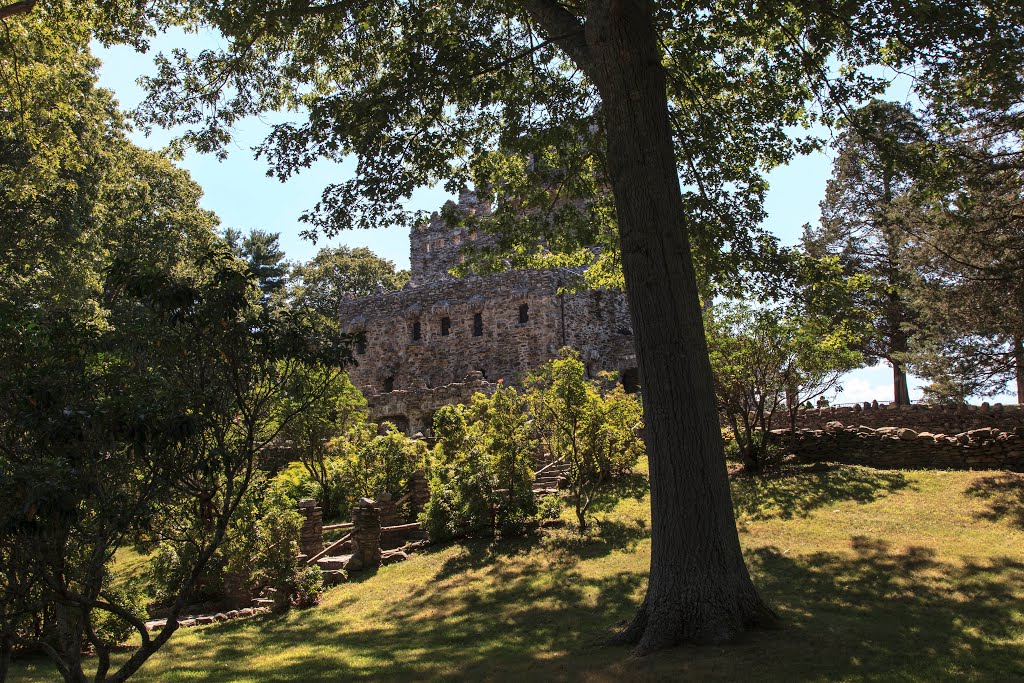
x=915, y=576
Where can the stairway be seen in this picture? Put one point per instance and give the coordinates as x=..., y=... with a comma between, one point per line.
x=550, y=477
x=333, y=569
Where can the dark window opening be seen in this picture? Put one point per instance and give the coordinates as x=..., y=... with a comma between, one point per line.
x=401, y=423
x=598, y=313
x=446, y=326
x=631, y=380
x=361, y=345
x=478, y=325
x=389, y=384
x=416, y=331
x=524, y=314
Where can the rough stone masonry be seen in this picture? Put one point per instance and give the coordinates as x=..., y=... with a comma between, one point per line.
x=442, y=338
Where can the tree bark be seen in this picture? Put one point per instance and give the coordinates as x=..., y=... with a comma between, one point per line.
x=900, y=390
x=699, y=588
x=1018, y=367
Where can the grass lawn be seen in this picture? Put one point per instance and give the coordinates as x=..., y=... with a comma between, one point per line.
x=876, y=575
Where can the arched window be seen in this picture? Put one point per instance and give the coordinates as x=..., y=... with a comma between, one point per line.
x=361, y=344
x=446, y=326
x=478, y=324
x=389, y=385
x=524, y=314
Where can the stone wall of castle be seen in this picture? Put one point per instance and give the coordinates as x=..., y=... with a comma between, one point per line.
x=436, y=245
x=442, y=338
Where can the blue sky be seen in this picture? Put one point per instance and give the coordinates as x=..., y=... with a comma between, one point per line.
x=239, y=191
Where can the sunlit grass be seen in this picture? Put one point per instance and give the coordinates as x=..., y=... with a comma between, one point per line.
x=876, y=576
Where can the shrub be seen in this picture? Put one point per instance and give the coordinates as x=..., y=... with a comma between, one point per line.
x=550, y=506
x=307, y=586
x=260, y=551
x=481, y=474
x=596, y=433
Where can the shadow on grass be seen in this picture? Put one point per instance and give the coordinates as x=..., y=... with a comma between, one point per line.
x=562, y=547
x=873, y=612
x=899, y=613
x=1004, y=494
x=797, y=493
x=631, y=485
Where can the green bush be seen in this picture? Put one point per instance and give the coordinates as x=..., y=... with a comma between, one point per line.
x=550, y=506
x=594, y=431
x=260, y=551
x=481, y=476
x=307, y=586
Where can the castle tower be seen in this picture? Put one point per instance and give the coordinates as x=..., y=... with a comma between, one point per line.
x=436, y=245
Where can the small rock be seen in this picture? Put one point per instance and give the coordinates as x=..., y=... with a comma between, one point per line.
x=980, y=434
x=220, y=616
x=907, y=434
x=205, y=620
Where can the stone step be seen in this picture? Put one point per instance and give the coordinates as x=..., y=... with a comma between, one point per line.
x=333, y=577
x=333, y=563
x=262, y=602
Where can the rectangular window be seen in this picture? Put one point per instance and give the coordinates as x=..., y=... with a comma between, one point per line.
x=361, y=346
x=446, y=326
x=416, y=331
x=478, y=324
x=524, y=314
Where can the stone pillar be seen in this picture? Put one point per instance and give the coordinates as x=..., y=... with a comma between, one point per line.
x=419, y=493
x=388, y=510
x=311, y=536
x=365, y=535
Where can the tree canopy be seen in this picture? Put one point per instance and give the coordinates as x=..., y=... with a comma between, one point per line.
x=336, y=272
x=643, y=125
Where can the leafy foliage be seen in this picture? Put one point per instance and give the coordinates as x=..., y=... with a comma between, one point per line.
x=336, y=272
x=596, y=433
x=337, y=424
x=481, y=471
x=142, y=374
x=767, y=360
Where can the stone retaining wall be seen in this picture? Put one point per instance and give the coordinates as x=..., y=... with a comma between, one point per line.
x=936, y=419
x=888, y=447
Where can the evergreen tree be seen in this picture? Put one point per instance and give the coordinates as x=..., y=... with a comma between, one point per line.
x=261, y=250
x=970, y=252
x=864, y=222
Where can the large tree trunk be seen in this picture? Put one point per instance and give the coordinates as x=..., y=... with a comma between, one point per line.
x=900, y=390
x=1018, y=367
x=699, y=588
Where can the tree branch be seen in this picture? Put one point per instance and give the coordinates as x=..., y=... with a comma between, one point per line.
x=563, y=28
x=20, y=7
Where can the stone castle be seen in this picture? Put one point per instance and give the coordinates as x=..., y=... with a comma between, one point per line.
x=442, y=338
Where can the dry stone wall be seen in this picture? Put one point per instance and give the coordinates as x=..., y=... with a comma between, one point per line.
x=928, y=418
x=890, y=447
